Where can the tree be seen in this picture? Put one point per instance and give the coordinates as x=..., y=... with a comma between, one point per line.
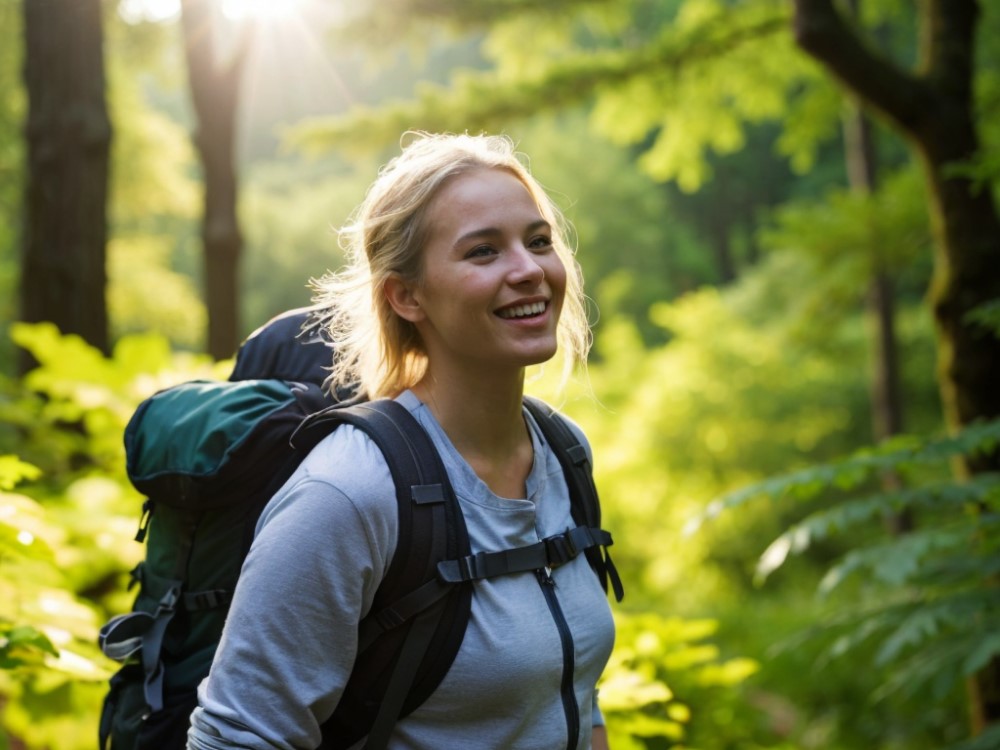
x=886, y=399
x=68, y=136
x=933, y=107
x=214, y=80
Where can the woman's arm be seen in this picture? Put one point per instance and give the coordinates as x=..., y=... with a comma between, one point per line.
x=599, y=738
x=290, y=637
x=289, y=642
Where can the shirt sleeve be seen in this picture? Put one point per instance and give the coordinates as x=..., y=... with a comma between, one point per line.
x=596, y=717
x=291, y=634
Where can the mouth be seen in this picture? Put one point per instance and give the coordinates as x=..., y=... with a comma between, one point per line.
x=522, y=311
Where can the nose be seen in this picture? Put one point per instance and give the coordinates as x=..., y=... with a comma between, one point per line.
x=525, y=267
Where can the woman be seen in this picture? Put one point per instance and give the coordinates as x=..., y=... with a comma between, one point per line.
x=459, y=278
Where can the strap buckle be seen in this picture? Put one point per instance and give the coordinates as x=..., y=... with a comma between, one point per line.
x=560, y=549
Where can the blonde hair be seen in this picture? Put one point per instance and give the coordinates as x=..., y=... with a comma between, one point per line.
x=377, y=349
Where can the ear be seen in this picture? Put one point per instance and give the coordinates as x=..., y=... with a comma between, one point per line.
x=402, y=299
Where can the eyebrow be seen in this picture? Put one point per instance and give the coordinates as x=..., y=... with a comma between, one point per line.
x=476, y=234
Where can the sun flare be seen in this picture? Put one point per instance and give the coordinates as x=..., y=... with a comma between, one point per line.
x=234, y=10
x=261, y=9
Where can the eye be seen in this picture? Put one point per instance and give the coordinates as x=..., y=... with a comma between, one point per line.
x=540, y=242
x=480, y=251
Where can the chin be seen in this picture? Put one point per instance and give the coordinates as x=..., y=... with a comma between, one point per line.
x=538, y=357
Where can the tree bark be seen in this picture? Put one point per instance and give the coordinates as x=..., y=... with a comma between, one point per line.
x=214, y=84
x=933, y=108
x=68, y=134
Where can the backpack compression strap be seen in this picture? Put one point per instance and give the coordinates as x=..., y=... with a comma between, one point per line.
x=586, y=508
x=550, y=552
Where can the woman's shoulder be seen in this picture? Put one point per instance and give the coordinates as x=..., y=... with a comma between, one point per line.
x=345, y=473
x=346, y=457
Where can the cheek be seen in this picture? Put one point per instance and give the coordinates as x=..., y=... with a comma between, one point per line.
x=442, y=295
x=556, y=276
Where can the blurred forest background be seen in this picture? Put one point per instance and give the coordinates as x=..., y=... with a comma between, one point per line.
x=786, y=216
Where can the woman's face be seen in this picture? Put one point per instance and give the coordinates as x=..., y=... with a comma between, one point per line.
x=492, y=284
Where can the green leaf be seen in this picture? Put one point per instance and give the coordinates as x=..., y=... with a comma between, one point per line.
x=23, y=527
x=898, y=453
x=988, y=739
x=920, y=626
x=14, y=470
x=629, y=691
x=23, y=645
x=984, y=651
x=851, y=513
x=987, y=316
x=731, y=672
x=897, y=560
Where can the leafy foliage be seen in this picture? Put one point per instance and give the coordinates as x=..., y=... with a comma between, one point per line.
x=680, y=84
x=47, y=629
x=66, y=542
x=928, y=598
x=903, y=453
x=154, y=200
x=665, y=681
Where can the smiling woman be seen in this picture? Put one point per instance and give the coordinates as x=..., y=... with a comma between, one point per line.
x=459, y=278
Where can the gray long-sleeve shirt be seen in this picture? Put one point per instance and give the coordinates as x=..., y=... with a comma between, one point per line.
x=323, y=544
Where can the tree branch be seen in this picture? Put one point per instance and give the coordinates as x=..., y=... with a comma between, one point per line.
x=823, y=33
x=482, y=100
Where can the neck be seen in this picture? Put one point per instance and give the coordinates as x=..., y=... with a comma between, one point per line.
x=484, y=421
x=482, y=413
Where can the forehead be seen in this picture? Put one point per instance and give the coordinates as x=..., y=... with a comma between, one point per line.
x=486, y=197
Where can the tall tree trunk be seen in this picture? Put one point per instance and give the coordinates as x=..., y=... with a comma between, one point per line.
x=880, y=302
x=68, y=135
x=214, y=83
x=934, y=109
x=880, y=311
x=718, y=225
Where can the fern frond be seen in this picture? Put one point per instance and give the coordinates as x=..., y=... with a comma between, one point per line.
x=988, y=740
x=898, y=560
x=982, y=489
x=896, y=454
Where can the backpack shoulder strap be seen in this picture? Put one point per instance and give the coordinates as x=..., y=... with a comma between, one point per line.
x=414, y=614
x=584, y=502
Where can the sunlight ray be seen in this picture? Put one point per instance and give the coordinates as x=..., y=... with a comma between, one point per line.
x=261, y=9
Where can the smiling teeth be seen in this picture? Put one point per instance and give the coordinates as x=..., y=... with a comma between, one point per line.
x=523, y=311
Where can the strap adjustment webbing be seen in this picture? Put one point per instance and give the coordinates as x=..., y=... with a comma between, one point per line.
x=209, y=599
x=402, y=611
x=550, y=552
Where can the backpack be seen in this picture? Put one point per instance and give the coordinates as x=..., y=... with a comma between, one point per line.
x=208, y=456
